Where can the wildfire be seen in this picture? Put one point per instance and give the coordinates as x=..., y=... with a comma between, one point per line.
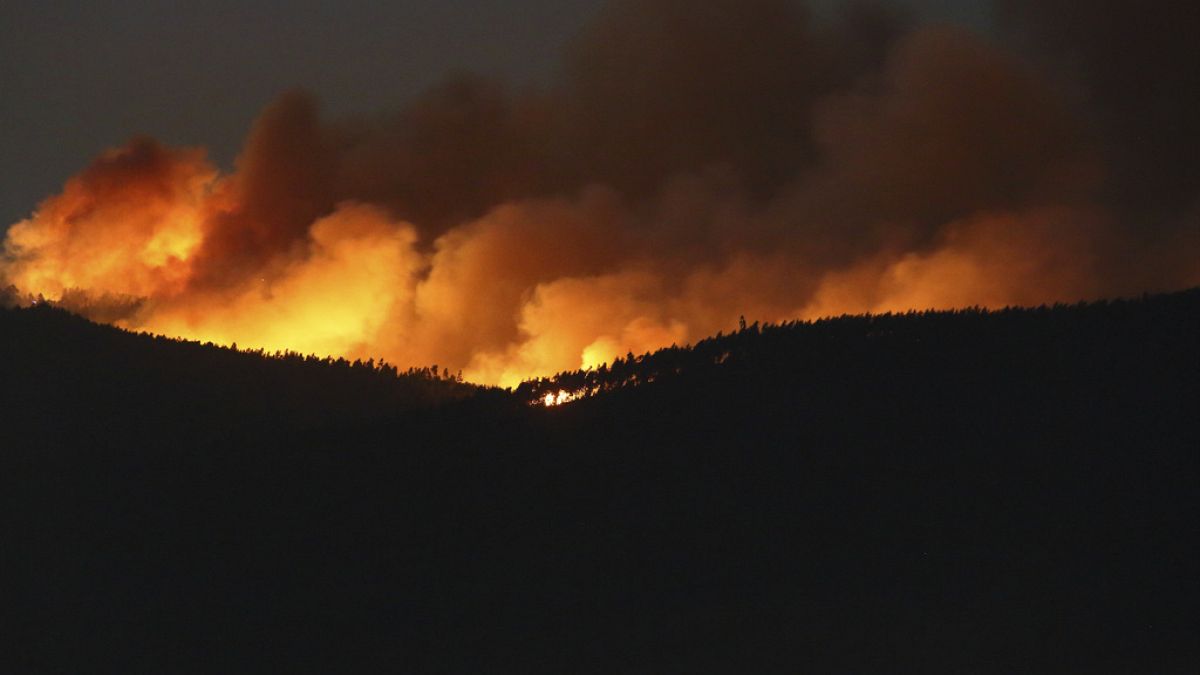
x=155, y=239
x=480, y=232
x=559, y=397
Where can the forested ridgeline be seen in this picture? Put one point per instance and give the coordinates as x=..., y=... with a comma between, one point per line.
x=61, y=372
x=988, y=492
x=843, y=348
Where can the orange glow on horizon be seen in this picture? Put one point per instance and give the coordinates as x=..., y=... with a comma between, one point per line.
x=155, y=239
x=498, y=297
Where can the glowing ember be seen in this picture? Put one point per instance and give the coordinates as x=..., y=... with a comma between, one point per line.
x=558, y=398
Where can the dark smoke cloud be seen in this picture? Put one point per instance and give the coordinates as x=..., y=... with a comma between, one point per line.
x=284, y=182
x=652, y=90
x=656, y=88
x=1138, y=64
x=950, y=126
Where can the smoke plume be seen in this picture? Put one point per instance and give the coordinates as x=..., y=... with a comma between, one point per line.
x=692, y=164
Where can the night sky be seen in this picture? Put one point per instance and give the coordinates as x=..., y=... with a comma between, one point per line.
x=79, y=77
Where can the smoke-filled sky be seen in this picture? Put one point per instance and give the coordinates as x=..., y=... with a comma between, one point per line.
x=512, y=189
x=79, y=77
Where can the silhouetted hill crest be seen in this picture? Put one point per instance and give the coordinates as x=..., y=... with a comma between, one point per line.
x=773, y=350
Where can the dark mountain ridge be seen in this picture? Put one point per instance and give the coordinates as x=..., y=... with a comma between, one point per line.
x=63, y=366
x=972, y=491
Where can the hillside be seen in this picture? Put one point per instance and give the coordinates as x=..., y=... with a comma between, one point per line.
x=1010, y=491
x=61, y=370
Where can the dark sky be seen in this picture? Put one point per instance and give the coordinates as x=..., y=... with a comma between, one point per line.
x=78, y=77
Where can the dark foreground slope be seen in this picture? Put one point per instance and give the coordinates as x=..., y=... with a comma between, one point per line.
x=970, y=492
x=65, y=378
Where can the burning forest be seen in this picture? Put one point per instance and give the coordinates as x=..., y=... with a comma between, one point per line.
x=684, y=168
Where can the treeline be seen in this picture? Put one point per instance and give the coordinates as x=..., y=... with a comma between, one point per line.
x=784, y=347
x=80, y=304
x=382, y=367
x=59, y=364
